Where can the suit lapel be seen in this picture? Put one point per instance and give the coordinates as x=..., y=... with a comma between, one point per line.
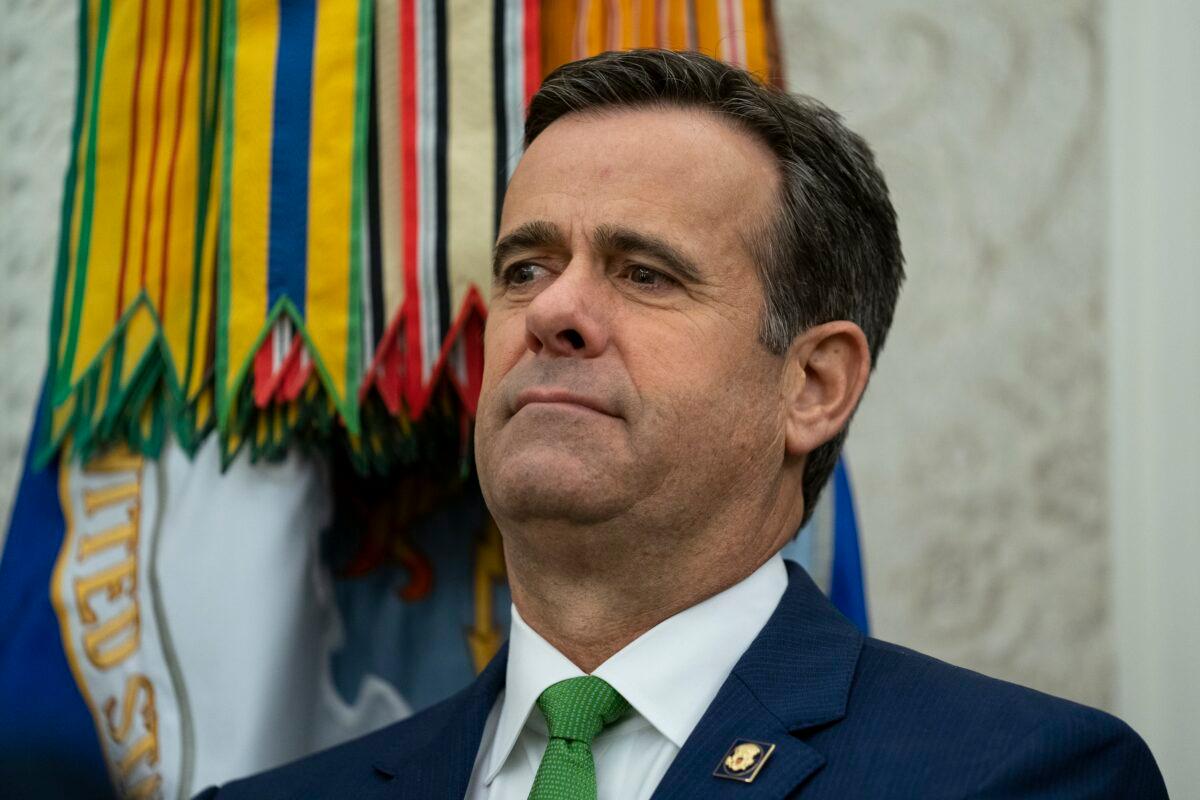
x=737, y=714
x=796, y=675
x=439, y=764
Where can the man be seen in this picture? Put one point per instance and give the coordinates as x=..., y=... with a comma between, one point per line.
x=693, y=277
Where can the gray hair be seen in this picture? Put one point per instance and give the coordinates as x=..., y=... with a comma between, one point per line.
x=832, y=252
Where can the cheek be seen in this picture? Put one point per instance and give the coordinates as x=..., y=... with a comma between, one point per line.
x=503, y=346
x=503, y=336
x=699, y=360
x=705, y=382
x=499, y=356
x=696, y=388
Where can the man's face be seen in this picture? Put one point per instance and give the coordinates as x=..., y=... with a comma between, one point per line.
x=623, y=369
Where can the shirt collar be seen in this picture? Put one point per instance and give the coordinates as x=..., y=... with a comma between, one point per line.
x=533, y=666
x=670, y=674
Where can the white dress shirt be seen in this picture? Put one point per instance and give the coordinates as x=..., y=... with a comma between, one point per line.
x=670, y=675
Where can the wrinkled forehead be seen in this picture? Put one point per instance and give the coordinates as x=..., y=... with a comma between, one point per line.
x=677, y=172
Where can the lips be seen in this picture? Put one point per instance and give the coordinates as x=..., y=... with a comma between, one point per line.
x=543, y=394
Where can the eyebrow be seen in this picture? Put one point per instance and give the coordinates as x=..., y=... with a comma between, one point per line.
x=616, y=239
x=543, y=235
x=535, y=235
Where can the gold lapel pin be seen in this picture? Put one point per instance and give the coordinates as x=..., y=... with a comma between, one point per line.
x=744, y=760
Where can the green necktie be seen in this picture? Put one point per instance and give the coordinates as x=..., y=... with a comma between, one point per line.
x=576, y=710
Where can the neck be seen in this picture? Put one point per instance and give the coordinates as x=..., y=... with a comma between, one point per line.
x=590, y=592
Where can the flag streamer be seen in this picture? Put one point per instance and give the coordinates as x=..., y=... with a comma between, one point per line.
x=133, y=289
x=293, y=202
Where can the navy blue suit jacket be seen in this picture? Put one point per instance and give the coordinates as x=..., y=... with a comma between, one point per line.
x=850, y=717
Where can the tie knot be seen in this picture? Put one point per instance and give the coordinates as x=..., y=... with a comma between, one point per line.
x=578, y=708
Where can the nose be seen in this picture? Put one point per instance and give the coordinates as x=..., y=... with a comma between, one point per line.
x=566, y=319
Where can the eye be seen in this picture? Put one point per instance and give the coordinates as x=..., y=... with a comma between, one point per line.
x=644, y=276
x=521, y=273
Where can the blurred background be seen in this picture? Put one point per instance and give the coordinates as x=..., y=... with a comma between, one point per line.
x=1025, y=460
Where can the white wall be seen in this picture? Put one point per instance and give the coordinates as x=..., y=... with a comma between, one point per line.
x=37, y=100
x=980, y=452
x=1154, y=376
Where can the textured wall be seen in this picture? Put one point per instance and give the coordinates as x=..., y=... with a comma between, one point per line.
x=979, y=454
x=37, y=98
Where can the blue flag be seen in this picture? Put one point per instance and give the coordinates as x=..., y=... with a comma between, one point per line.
x=48, y=743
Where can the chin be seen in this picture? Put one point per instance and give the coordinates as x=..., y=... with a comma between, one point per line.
x=531, y=486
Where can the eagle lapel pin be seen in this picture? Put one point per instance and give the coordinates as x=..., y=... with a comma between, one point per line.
x=744, y=760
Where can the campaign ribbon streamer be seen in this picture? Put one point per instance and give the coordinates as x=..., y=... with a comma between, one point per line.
x=133, y=288
x=294, y=136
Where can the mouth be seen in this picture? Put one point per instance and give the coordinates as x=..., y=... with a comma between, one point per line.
x=550, y=396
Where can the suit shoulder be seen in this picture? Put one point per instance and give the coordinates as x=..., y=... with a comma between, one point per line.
x=915, y=726
x=1003, y=738
x=914, y=681
x=340, y=770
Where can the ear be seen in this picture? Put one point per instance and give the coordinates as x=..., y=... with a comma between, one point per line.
x=826, y=374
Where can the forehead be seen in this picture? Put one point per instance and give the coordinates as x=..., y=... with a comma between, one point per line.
x=680, y=172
